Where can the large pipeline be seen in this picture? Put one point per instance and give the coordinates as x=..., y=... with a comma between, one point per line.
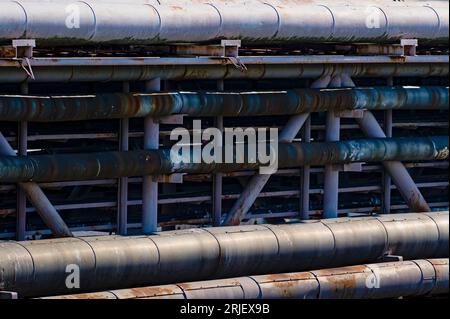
x=141, y=22
x=38, y=268
x=108, y=106
x=70, y=167
x=429, y=277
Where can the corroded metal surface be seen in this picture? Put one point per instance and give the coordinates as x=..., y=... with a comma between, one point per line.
x=69, y=167
x=107, y=70
x=373, y=281
x=251, y=21
x=203, y=254
x=109, y=106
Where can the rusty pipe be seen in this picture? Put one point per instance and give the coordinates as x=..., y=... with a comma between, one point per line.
x=119, y=105
x=253, y=21
x=39, y=268
x=425, y=277
x=69, y=167
x=124, y=69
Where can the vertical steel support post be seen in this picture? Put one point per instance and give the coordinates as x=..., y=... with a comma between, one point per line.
x=150, y=186
x=305, y=177
x=218, y=177
x=122, y=209
x=331, y=182
x=22, y=146
x=388, y=121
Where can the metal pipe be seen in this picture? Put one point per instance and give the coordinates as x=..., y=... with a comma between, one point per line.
x=37, y=197
x=400, y=176
x=107, y=106
x=70, y=167
x=425, y=277
x=110, y=69
x=252, y=21
x=150, y=186
x=201, y=254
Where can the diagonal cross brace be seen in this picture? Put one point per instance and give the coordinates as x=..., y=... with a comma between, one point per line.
x=45, y=209
x=400, y=176
x=257, y=182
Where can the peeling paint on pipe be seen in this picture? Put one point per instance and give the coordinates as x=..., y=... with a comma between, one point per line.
x=108, y=106
x=70, y=167
x=373, y=281
x=252, y=21
x=38, y=268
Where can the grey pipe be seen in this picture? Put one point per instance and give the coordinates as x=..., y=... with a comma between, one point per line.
x=252, y=21
x=425, y=277
x=90, y=72
x=70, y=167
x=39, y=268
x=107, y=106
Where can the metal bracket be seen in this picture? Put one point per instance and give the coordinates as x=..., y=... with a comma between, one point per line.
x=392, y=258
x=169, y=179
x=8, y=295
x=23, y=53
x=177, y=119
x=227, y=49
x=351, y=114
x=406, y=47
x=24, y=48
x=351, y=167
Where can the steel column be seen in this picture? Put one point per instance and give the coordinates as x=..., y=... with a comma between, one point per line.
x=218, y=177
x=305, y=176
x=398, y=172
x=122, y=209
x=331, y=182
x=22, y=145
x=150, y=187
x=388, y=122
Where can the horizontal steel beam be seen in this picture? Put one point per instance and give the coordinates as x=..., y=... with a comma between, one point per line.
x=217, y=71
x=68, y=167
x=57, y=23
x=39, y=269
x=121, y=105
x=414, y=278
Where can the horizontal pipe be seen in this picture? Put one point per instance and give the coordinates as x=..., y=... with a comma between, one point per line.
x=425, y=277
x=69, y=167
x=268, y=21
x=270, y=68
x=119, y=105
x=39, y=268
